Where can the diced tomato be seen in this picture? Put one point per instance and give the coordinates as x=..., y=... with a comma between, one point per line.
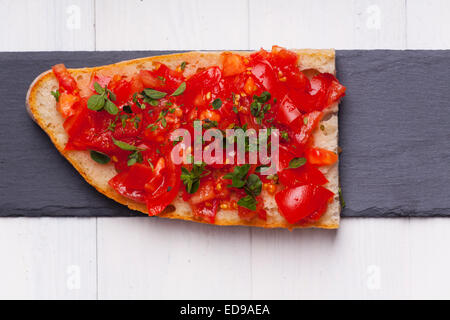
x=287, y=111
x=121, y=88
x=67, y=103
x=307, y=124
x=130, y=183
x=232, y=64
x=204, y=193
x=164, y=192
x=136, y=84
x=65, y=79
x=320, y=157
x=300, y=202
x=102, y=80
x=295, y=79
x=285, y=155
x=133, y=127
x=248, y=215
x=221, y=190
x=206, y=210
x=149, y=80
x=281, y=56
x=250, y=86
x=325, y=90
x=265, y=75
x=204, y=80
x=76, y=121
x=306, y=174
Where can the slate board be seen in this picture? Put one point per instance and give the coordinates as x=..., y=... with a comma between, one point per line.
x=394, y=131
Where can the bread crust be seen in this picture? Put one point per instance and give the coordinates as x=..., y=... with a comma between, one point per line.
x=41, y=106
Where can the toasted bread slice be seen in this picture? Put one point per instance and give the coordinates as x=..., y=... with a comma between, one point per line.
x=41, y=106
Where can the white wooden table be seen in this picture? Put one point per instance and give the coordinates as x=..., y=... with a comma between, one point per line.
x=101, y=258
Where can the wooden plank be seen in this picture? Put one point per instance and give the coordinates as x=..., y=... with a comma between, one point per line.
x=430, y=261
x=428, y=27
x=155, y=258
x=346, y=24
x=45, y=258
x=428, y=24
x=366, y=258
x=161, y=24
x=41, y=25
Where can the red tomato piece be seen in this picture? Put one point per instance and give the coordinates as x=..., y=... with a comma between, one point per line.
x=67, y=104
x=136, y=84
x=64, y=77
x=161, y=194
x=265, y=75
x=206, y=210
x=205, y=80
x=204, y=193
x=325, y=90
x=248, y=215
x=121, y=88
x=232, y=64
x=130, y=183
x=282, y=57
x=77, y=121
x=295, y=79
x=287, y=111
x=307, y=126
x=150, y=80
x=306, y=174
x=300, y=202
x=103, y=81
x=320, y=157
x=250, y=86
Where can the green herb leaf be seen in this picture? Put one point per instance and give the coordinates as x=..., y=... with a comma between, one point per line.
x=179, y=90
x=131, y=161
x=341, y=198
x=284, y=135
x=261, y=168
x=248, y=202
x=238, y=172
x=112, y=96
x=124, y=146
x=257, y=107
x=208, y=124
x=154, y=94
x=191, y=179
x=297, y=162
x=217, y=103
x=134, y=157
x=98, y=88
x=183, y=65
x=127, y=109
x=263, y=98
x=96, y=102
x=99, y=157
x=254, y=185
x=111, y=108
x=56, y=94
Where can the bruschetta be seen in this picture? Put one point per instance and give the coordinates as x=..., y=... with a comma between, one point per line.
x=115, y=125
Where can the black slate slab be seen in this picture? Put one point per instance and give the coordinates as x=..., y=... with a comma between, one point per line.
x=394, y=132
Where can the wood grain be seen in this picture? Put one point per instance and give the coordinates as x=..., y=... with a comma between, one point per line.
x=47, y=258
